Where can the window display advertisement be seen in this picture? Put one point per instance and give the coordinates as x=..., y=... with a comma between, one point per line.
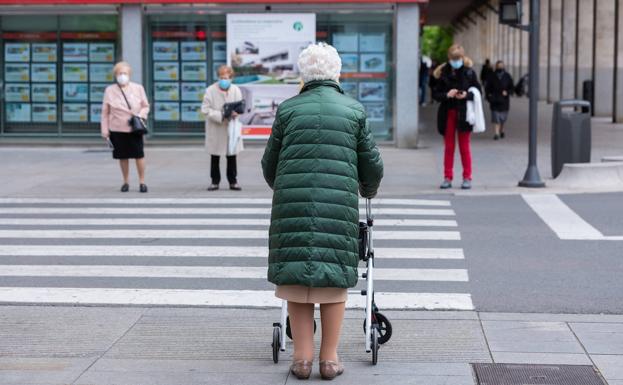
x=75, y=72
x=263, y=50
x=191, y=112
x=18, y=112
x=44, y=113
x=193, y=92
x=75, y=113
x=101, y=52
x=44, y=93
x=18, y=52
x=44, y=52
x=44, y=72
x=16, y=72
x=17, y=92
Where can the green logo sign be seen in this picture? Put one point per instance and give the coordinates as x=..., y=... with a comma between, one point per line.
x=298, y=26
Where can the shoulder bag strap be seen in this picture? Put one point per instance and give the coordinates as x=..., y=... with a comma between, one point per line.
x=124, y=97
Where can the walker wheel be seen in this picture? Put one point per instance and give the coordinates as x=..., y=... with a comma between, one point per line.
x=289, y=331
x=384, y=327
x=276, y=343
x=375, y=346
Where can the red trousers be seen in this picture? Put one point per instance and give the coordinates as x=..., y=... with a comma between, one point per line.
x=450, y=143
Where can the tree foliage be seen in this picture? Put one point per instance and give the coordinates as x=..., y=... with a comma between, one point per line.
x=435, y=42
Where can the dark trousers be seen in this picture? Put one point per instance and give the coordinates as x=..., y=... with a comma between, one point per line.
x=215, y=171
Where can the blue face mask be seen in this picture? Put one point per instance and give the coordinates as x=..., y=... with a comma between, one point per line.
x=224, y=84
x=456, y=64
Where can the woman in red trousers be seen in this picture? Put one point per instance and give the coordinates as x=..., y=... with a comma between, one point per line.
x=453, y=81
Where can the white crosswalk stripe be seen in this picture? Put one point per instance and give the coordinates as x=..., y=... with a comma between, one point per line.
x=40, y=236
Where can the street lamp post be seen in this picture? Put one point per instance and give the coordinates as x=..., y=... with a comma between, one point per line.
x=532, y=177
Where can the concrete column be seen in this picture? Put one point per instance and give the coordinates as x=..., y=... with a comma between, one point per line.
x=604, y=57
x=407, y=59
x=544, y=50
x=555, y=48
x=132, y=48
x=585, y=46
x=618, y=95
x=517, y=52
x=569, y=37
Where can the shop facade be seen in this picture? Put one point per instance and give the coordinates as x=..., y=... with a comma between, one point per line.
x=57, y=59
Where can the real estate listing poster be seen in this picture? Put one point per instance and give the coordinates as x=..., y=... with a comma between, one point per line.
x=75, y=113
x=101, y=73
x=167, y=111
x=264, y=49
x=44, y=92
x=191, y=112
x=18, y=112
x=44, y=113
x=76, y=72
x=44, y=52
x=194, y=50
x=16, y=72
x=17, y=92
x=101, y=52
x=17, y=52
x=75, y=52
x=193, y=92
x=43, y=72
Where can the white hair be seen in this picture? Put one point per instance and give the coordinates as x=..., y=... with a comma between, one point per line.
x=319, y=61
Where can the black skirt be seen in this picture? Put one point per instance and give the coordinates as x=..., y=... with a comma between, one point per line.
x=126, y=145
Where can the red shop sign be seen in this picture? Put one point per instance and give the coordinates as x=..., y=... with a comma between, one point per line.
x=29, y=35
x=89, y=35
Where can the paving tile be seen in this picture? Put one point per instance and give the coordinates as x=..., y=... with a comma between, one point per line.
x=541, y=358
x=530, y=337
x=604, y=318
x=610, y=366
x=200, y=336
x=41, y=370
x=600, y=338
x=39, y=331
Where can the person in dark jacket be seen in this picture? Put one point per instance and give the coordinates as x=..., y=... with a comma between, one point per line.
x=319, y=156
x=452, y=84
x=498, y=91
x=485, y=72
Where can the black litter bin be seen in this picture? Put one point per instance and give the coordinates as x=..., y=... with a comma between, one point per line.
x=571, y=134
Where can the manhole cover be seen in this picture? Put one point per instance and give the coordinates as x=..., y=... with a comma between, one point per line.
x=515, y=374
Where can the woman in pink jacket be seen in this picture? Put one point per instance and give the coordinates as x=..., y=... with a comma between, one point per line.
x=116, y=115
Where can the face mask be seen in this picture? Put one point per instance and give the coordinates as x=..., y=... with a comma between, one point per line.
x=500, y=69
x=123, y=79
x=456, y=64
x=224, y=84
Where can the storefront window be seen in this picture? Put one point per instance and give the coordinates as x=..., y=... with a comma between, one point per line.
x=55, y=69
x=183, y=55
x=184, y=51
x=364, y=42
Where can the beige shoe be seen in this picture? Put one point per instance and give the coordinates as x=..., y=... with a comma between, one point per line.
x=301, y=369
x=330, y=369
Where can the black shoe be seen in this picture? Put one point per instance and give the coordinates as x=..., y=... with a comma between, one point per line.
x=502, y=135
x=125, y=187
x=143, y=188
x=213, y=187
x=496, y=137
x=235, y=187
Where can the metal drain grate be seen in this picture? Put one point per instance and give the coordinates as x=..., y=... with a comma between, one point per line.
x=515, y=374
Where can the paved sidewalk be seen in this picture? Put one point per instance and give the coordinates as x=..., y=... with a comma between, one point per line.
x=87, y=170
x=119, y=345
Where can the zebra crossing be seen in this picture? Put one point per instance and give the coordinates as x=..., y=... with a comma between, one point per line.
x=207, y=252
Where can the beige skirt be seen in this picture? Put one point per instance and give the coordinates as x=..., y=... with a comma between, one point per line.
x=304, y=294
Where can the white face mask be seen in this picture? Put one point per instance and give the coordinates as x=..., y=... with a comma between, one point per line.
x=123, y=79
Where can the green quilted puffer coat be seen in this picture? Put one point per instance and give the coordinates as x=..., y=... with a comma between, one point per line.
x=320, y=154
